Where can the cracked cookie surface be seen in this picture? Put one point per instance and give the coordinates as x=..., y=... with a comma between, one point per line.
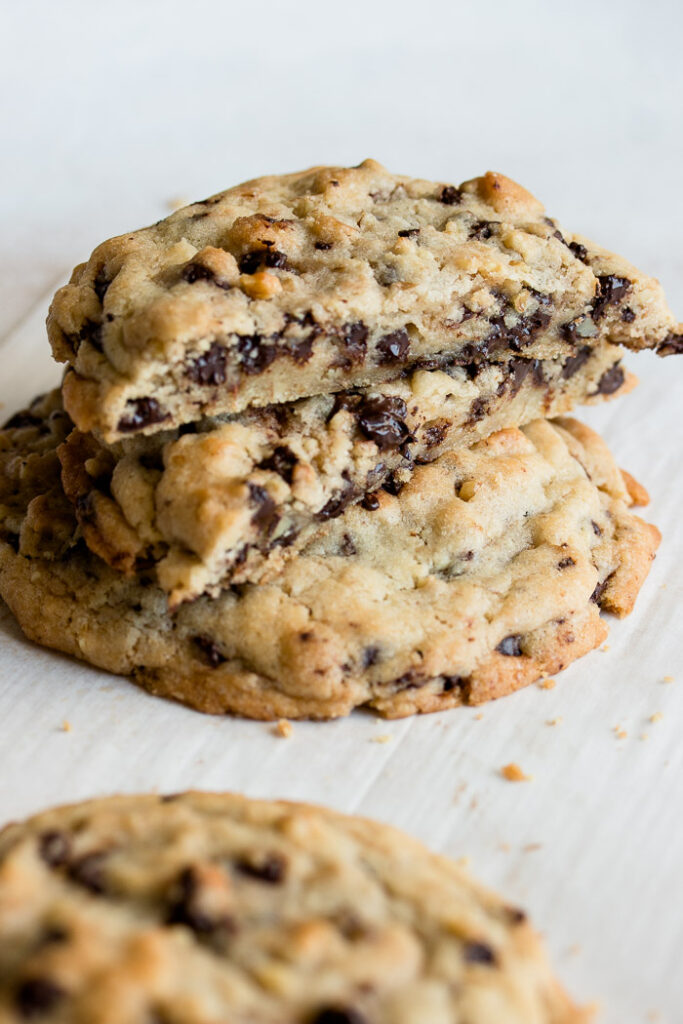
x=291, y=286
x=236, y=497
x=203, y=907
x=485, y=571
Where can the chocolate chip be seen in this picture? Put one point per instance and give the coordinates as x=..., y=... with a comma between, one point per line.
x=301, y=350
x=347, y=547
x=478, y=410
x=370, y=502
x=435, y=434
x=382, y=420
x=255, y=356
x=101, y=283
x=575, y=362
x=410, y=680
x=450, y=195
x=627, y=315
x=565, y=563
x=671, y=346
x=55, y=847
x=610, y=381
x=482, y=229
x=143, y=412
x=337, y=1015
x=580, y=251
x=197, y=272
x=596, y=529
x=336, y=505
x=452, y=683
x=209, y=368
x=185, y=906
x=282, y=461
x=88, y=871
x=92, y=332
x=610, y=289
x=515, y=915
x=409, y=233
x=276, y=260
x=250, y=262
x=38, y=996
x=516, y=335
x=209, y=649
x=510, y=646
x=394, y=347
x=519, y=370
x=370, y=656
x=265, y=517
x=271, y=869
x=354, y=339
x=479, y=953
x=323, y=246
x=393, y=485
x=21, y=420
x=599, y=591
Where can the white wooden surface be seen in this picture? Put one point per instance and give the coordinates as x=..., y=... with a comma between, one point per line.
x=109, y=112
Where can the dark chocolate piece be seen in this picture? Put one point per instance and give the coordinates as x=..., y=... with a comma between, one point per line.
x=209, y=650
x=610, y=381
x=610, y=289
x=38, y=996
x=271, y=868
x=55, y=847
x=479, y=953
x=210, y=367
x=510, y=646
x=282, y=461
x=450, y=195
x=143, y=412
x=382, y=420
x=393, y=348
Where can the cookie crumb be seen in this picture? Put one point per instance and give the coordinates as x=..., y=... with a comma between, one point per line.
x=478, y=718
x=513, y=773
x=667, y=679
x=605, y=648
x=66, y=725
x=644, y=736
x=574, y=950
x=384, y=738
x=177, y=202
x=657, y=717
x=532, y=847
x=547, y=684
x=554, y=721
x=620, y=733
x=283, y=728
x=653, y=1015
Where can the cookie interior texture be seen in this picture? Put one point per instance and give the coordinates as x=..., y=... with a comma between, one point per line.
x=485, y=571
x=200, y=908
x=230, y=500
x=308, y=283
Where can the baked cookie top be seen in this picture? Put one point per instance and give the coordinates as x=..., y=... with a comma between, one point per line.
x=306, y=283
x=483, y=572
x=201, y=907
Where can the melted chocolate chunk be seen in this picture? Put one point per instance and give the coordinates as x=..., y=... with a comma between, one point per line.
x=197, y=272
x=276, y=260
x=565, y=563
x=450, y=195
x=515, y=336
x=671, y=346
x=92, y=332
x=393, y=348
x=479, y=953
x=370, y=502
x=627, y=315
x=510, y=646
x=410, y=680
x=354, y=340
x=482, y=229
x=336, y=505
x=271, y=869
x=478, y=410
x=519, y=371
x=38, y=996
x=337, y=1015
x=453, y=683
x=143, y=412
x=409, y=233
x=610, y=289
x=393, y=485
x=610, y=381
x=250, y=262
x=209, y=649
x=580, y=251
x=323, y=246
x=254, y=354
x=599, y=591
x=282, y=461
x=435, y=434
x=265, y=517
x=88, y=871
x=382, y=420
x=55, y=848
x=370, y=656
x=347, y=547
x=101, y=283
x=209, y=368
x=575, y=362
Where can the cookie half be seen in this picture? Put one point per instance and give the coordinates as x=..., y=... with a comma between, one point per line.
x=205, y=907
x=304, y=284
x=235, y=497
x=485, y=571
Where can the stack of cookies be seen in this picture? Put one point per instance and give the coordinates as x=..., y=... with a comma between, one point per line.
x=310, y=451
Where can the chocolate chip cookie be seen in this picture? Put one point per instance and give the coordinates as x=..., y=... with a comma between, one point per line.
x=233, y=498
x=310, y=283
x=207, y=907
x=484, y=571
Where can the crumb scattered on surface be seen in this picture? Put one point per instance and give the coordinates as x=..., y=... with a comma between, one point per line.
x=463, y=862
x=644, y=736
x=554, y=721
x=513, y=773
x=574, y=950
x=667, y=679
x=505, y=847
x=66, y=725
x=620, y=732
x=177, y=202
x=605, y=648
x=532, y=847
x=657, y=717
x=478, y=718
x=547, y=684
x=384, y=738
x=653, y=1015
x=283, y=728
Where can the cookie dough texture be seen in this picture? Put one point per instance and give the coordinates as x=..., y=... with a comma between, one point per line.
x=232, y=500
x=485, y=571
x=204, y=907
x=292, y=286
